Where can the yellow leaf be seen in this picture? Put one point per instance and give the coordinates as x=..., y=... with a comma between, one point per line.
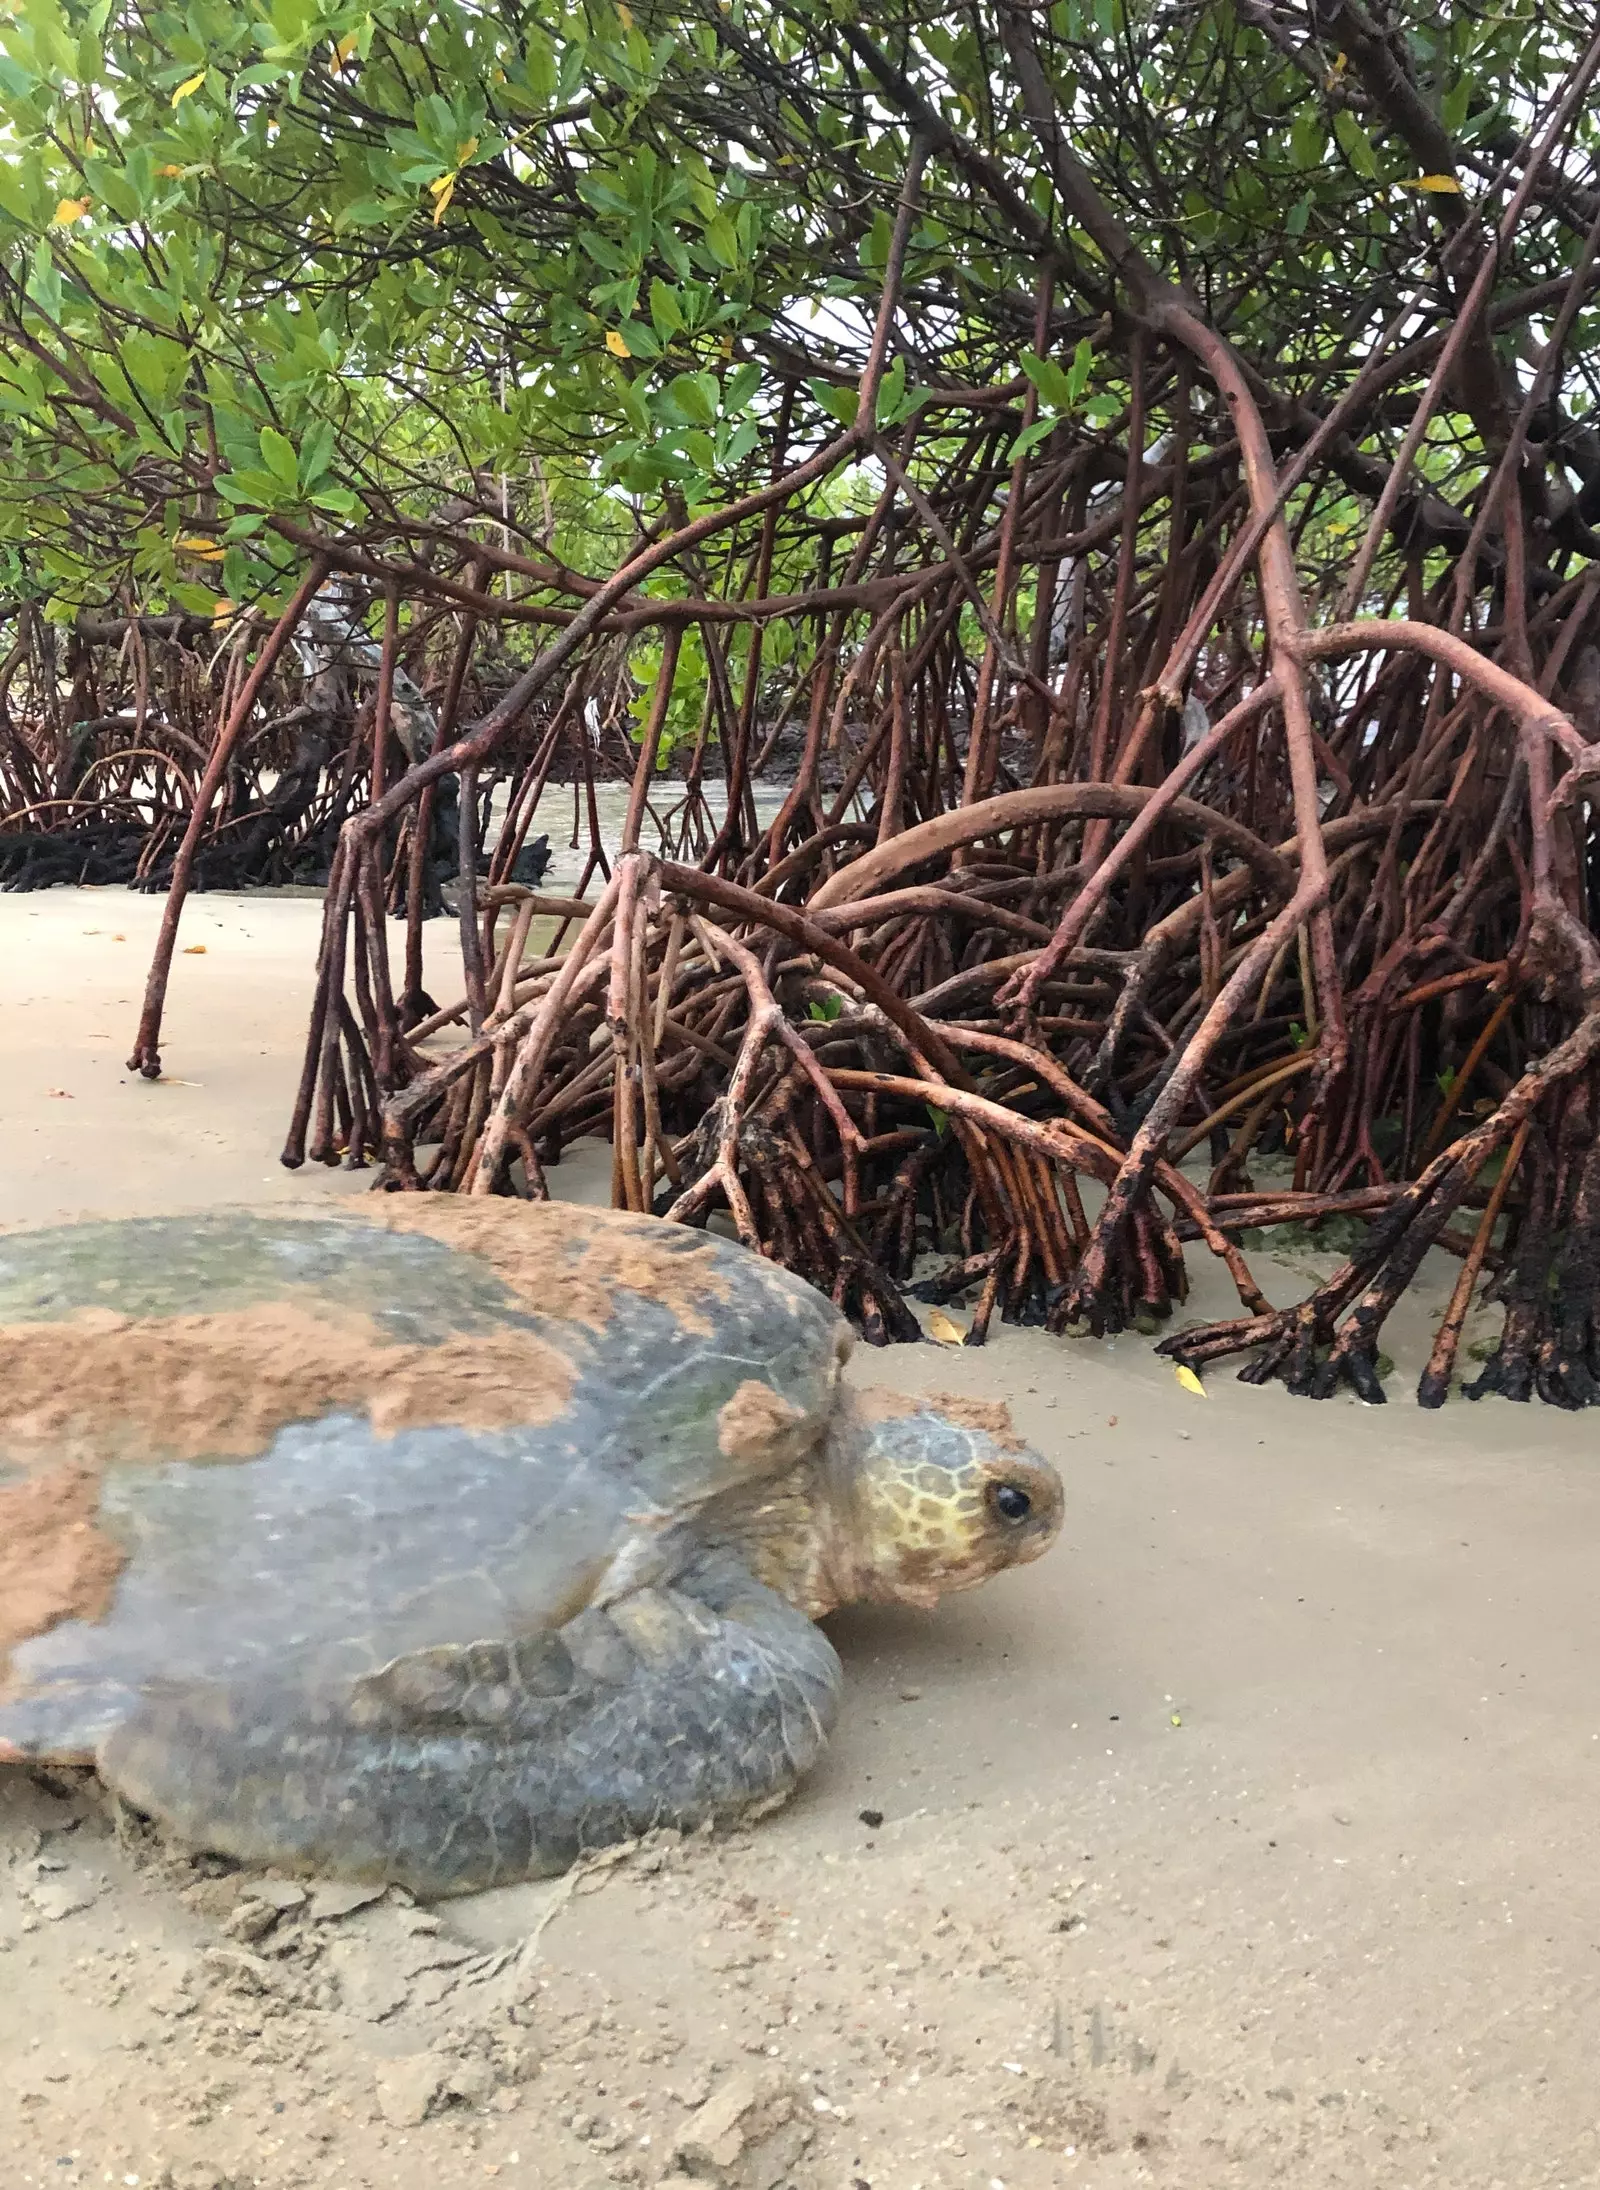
x=169, y=169
x=1444, y=186
x=1191, y=1383
x=1177, y=1719
x=342, y=51
x=624, y=14
x=945, y=1328
x=187, y=89
x=194, y=950
x=443, y=191
x=222, y=608
x=68, y=211
x=616, y=345
x=197, y=544
x=465, y=151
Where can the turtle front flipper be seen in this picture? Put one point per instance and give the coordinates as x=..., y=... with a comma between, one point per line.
x=463, y=1767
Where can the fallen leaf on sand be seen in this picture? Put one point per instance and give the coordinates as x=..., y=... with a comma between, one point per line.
x=1190, y=1382
x=945, y=1328
x=194, y=950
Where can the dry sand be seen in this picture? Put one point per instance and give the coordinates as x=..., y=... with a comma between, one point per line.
x=1247, y=1839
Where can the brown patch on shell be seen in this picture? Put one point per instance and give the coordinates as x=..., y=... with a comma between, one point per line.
x=992, y=1416
x=757, y=1423
x=56, y=1563
x=876, y=1403
x=568, y=1261
x=101, y=1389
x=222, y=1386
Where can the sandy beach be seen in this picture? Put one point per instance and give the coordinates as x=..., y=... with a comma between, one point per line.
x=1246, y=1840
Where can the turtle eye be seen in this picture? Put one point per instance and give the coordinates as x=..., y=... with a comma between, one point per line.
x=1011, y=1501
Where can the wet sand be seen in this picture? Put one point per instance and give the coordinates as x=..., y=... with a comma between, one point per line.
x=1247, y=1839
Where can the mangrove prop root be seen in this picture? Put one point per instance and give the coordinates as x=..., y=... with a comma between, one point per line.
x=1141, y=880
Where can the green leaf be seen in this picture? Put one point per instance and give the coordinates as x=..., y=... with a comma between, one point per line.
x=733, y=448
x=640, y=337
x=316, y=454
x=603, y=251
x=539, y=60
x=666, y=314
x=44, y=280
x=155, y=367
x=1308, y=136
x=574, y=60
x=839, y=403
x=1082, y=367
x=892, y=403
x=278, y=456
x=1051, y=382
x=740, y=385
x=722, y=239
x=695, y=397
x=255, y=488
x=1454, y=106
x=1355, y=143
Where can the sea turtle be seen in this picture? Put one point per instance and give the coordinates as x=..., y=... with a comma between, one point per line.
x=439, y=1540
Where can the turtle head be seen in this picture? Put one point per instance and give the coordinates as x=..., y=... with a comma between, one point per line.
x=932, y=1496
